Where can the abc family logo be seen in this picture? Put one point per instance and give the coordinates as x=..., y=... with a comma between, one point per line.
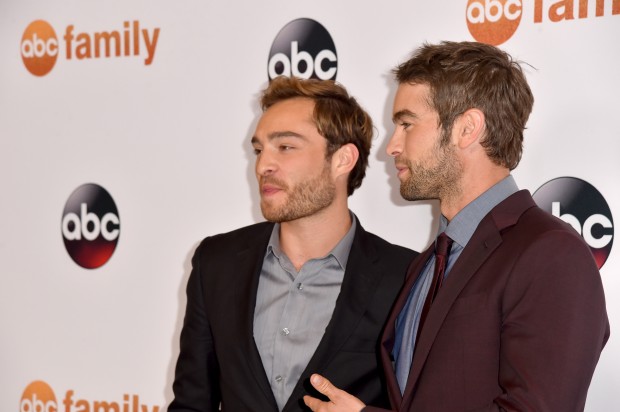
x=495, y=21
x=39, y=397
x=579, y=204
x=90, y=226
x=305, y=49
x=40, y=46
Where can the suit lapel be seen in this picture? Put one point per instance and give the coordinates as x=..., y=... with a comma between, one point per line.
x=469, y=262
x=485, y=240
x=360, y=279
x=250, y=261
x=389, y=333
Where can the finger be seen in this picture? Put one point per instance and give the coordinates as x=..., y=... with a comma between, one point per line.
x=312, y=403
x=324, y=386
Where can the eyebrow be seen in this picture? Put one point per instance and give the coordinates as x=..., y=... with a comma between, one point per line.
x=279, y=135
x=403, y=113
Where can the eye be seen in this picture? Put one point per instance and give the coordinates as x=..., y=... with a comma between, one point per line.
x=257, y=151
x=404, y=125
x=285, y=148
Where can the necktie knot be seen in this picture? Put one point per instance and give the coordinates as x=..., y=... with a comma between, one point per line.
x=443, y=244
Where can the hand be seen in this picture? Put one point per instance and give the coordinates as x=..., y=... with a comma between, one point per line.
x=339, y=400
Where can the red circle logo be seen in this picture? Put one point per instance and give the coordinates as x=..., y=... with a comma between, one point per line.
x=90, y=226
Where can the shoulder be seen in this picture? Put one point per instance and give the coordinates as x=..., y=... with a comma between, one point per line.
x=544, y=248
x=391, y=248
x=383, y=248
x=519, y=216
x=537, y=224
x=236, y=239
x=530, y=242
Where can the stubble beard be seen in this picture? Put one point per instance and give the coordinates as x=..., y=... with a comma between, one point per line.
x=439, y=180
x=304, y=199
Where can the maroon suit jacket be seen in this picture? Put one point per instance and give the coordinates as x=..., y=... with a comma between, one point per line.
x=518, y=325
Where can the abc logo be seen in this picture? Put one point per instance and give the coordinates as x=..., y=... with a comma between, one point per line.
x=39, y=48
x=579, y=204
x=90, y=226
x=303, y=48
x=493, y=21
x=38, y=397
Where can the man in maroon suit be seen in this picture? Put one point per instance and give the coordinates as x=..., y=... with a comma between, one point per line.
x=505, y=311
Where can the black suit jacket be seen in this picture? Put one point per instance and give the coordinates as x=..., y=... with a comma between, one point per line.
x=518, y=325
x=219, y=360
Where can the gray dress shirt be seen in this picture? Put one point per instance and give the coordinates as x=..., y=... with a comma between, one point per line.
x=293, y=309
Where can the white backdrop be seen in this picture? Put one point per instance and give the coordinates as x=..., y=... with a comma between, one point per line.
x=169, y=141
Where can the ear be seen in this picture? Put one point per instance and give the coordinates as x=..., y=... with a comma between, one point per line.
x=471, y=127
x=344, y=159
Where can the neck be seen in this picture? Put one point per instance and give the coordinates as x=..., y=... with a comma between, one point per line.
x=471, y=186
x=314, y=236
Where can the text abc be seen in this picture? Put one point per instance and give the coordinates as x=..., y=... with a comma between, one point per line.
x=493, y=11
x=36, y=47
x=586, y=230
x=313, y=65
x=36, y=405
x=81, y=225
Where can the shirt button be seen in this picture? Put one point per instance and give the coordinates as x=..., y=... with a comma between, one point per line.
x=300, y=286
x=278, y=378
x=285, y=331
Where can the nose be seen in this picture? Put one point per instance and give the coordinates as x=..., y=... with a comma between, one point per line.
x=395, y=145
x=265, y=164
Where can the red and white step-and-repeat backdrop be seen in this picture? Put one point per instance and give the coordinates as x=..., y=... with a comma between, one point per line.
x=124, y=140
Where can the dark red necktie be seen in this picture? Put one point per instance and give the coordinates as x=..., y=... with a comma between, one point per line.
x=442, y=250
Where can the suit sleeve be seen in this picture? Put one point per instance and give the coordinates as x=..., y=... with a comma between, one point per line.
x=554, y=326
x=196, y=383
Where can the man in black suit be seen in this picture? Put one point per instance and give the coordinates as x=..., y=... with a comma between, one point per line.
x=309, y=290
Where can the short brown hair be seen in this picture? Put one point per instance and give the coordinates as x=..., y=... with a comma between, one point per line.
x=337, y=115
x=465, y=75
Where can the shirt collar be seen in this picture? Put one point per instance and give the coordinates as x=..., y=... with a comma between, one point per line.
x=340, y=252
x=464, y=224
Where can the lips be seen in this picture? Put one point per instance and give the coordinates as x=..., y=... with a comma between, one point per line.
x=269, y=189
x=270, y=186
x=401, y=169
